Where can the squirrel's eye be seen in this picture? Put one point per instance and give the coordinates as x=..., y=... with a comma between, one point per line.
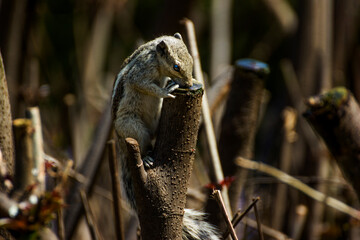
x=176, y=67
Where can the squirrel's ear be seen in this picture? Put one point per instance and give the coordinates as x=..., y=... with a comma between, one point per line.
x=178, y=36
x=162, y=48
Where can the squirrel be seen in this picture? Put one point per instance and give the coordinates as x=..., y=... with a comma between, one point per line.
x=147, y=76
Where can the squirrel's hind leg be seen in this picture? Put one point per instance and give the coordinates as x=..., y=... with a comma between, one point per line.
x=135, y=128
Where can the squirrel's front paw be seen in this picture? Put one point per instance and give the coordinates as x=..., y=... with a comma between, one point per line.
x=148, y=162
x=172, y=86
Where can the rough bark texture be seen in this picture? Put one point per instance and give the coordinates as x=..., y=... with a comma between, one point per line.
x=6, y=136
x=160, y=192
x=238, y=126
x=335, y=116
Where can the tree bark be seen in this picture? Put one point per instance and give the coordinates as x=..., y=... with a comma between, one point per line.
x=335, y=116
x=6, y=135
x=238, y=126
x=160, y=192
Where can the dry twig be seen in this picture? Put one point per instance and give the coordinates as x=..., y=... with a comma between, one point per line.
x=219, y=199
x=94, y=231
x=215, y=159
x=261, y=235
x=116, y=193
x=293, y=182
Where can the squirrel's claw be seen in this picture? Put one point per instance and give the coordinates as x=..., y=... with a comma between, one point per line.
x=148, y=162
x=172, y=86
x=170, y=95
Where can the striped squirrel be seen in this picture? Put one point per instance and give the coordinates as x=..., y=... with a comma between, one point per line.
x=151, y=73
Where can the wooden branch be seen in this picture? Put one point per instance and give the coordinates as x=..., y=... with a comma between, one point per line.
x=6, y=134
x=335, y=116
x=160, y=192
x=289, y=136
x=209, y=129
x=24, y=164
x=221, y=32
x=220, y=201
x=60, y=224
x=33, y=114
x=116, y=192
x=239, y=122
x=295, y=183
x=237, y=218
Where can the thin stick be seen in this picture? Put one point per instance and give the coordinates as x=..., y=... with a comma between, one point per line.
x=215, y=159
x=290, y=118
x=236, y=221
x=217, y=195
x=60, y=224
x=295, y=183
x=95, y=234
x=261, y=235
x=238, y=218
x=299, y=222
x=33, y=114
x=116, y=193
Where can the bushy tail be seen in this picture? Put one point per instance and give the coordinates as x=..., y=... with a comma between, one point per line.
x=195, y=227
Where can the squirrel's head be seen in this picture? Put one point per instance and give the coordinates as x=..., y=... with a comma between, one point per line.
x=176, y=62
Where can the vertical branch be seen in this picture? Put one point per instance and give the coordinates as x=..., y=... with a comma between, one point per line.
x=6, y=134
x=94, y=62
x=298, y=224
x=38, y=151
x=116, y=193
x=306, y=51
x=221, y=15
x=24, y=154
x=60, y=224
x=325, y=43
x=261, y=235
x=240, y=119
x=160, y=192
x=289, y=116
x=14, y=49
x=215, y=159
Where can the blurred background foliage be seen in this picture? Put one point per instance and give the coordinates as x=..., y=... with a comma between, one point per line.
x=63, y=55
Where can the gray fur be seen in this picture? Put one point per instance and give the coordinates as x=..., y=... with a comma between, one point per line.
x=196, y=227
x=136, y=105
